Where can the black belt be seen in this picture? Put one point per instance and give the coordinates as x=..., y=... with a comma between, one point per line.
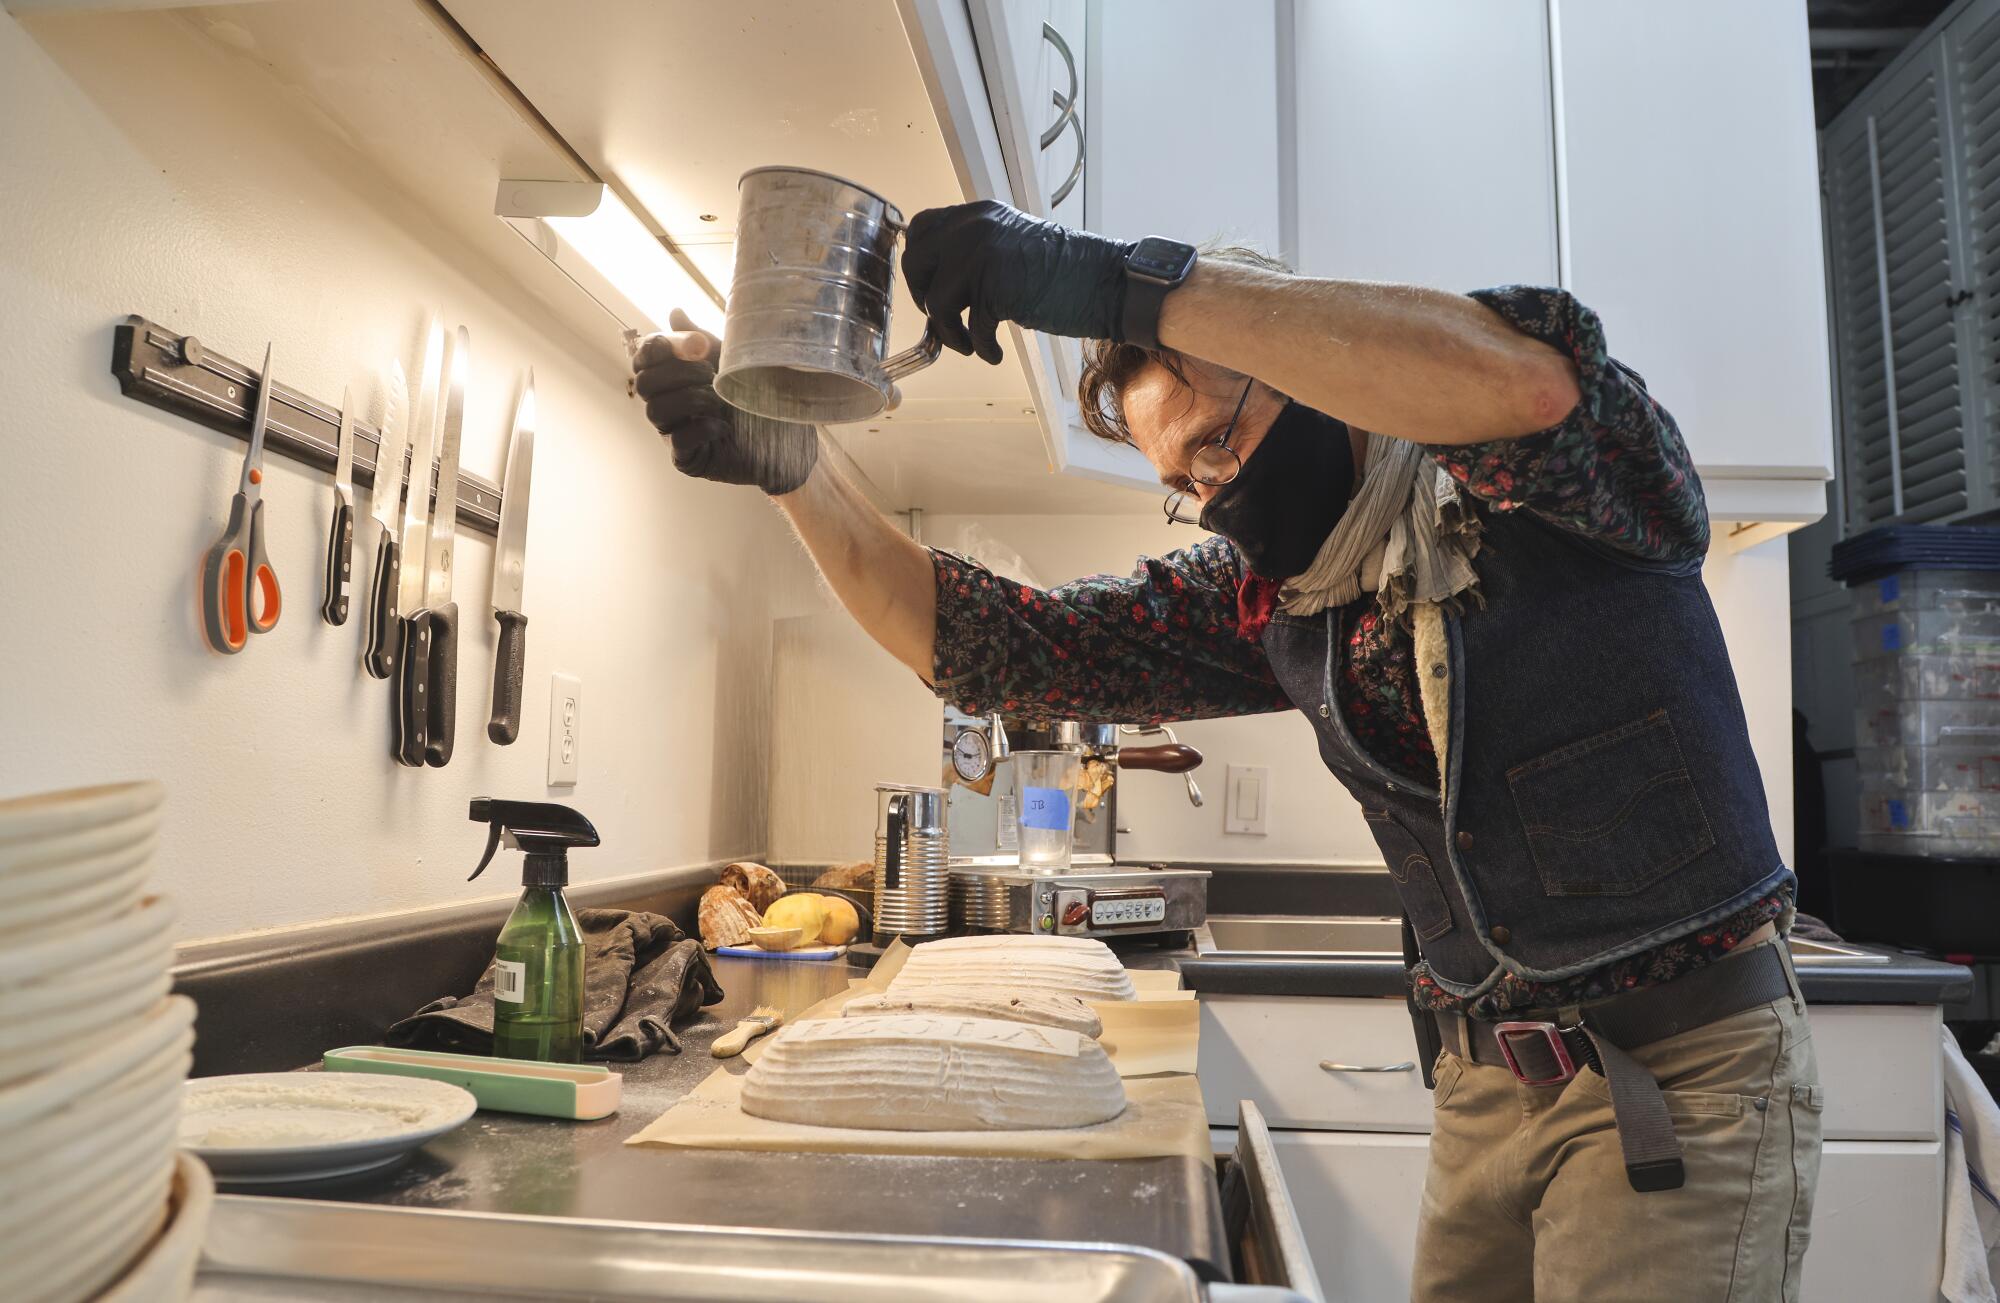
x=1549, y=1053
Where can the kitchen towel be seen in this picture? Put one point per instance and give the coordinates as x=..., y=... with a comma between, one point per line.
x=1971, y=1165
x=641, y=974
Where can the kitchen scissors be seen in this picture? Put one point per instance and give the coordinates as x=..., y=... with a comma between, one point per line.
x=230, y=610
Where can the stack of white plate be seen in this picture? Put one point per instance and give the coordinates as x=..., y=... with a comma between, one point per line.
x=93, y=1051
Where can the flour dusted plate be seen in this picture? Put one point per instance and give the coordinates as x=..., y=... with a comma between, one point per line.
x=269, y=1128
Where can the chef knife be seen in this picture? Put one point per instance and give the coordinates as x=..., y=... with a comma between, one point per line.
x=443, y=612
x=413, y=643
x=383, y=498
x=508, y=558
x=340, y=542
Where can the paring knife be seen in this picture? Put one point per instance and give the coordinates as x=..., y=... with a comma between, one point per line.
x=508, y=558
x=379, y=657
x=443, y=612
x=413, y=641
x=340, y=542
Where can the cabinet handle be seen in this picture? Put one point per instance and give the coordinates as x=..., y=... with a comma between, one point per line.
x=1067, y=103
x=1328, y=1065
x=1069, y=183
x=1066, y=118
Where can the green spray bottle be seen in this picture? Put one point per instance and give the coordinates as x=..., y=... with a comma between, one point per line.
x=538, y=963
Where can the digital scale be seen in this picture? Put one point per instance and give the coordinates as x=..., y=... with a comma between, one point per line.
x=1083, y=901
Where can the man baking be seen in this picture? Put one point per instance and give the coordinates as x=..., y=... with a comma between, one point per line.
x=1466, y=545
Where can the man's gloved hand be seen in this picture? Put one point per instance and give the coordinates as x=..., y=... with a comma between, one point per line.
x=712, y=440
x=989, y=263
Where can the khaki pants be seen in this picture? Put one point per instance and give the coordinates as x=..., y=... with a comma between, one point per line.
x=1526, y=1197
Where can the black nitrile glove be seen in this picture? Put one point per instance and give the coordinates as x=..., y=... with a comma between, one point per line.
x=711, y=439
x=989, y=263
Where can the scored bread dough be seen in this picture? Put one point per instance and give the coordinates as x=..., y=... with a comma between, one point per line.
x=1043, y=1008
x=932, y=1072
x=1075, y=966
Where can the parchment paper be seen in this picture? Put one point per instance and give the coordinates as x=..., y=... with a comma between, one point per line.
x=1163, y=1118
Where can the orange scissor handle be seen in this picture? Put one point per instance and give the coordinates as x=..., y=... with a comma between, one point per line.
x=231, y=569
x=270, y=602
x=224, y=626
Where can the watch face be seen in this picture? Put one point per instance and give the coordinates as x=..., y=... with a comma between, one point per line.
x=1161, y=259
x=971, y=755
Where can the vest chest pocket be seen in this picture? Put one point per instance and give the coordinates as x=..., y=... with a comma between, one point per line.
x=1613, y=814
x=1416, y=880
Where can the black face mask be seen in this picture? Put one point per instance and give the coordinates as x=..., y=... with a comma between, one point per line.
x=1291, y=492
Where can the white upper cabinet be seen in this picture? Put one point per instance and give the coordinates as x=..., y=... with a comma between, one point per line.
x=1424, y=142
x=1185, y=129
x=1657, y=159
x=1689, y=180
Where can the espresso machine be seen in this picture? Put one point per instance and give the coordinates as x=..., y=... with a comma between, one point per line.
x=1096, y=896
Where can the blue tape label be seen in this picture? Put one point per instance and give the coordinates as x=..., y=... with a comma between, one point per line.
x=1045, y=807
x=1892, y=636
x=1891, y=588
x=1899, y=816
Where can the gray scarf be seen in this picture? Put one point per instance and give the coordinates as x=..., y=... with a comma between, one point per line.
x=1408, y=536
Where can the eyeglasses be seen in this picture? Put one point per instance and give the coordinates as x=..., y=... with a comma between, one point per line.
x=1214, y=464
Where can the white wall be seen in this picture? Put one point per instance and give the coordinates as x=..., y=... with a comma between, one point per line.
x=1312, y=820
x=144, y=173
x=848, y=716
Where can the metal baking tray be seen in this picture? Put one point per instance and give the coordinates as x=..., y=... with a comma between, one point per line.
x=304, y=1251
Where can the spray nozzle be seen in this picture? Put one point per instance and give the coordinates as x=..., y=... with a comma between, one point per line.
x=544, y=830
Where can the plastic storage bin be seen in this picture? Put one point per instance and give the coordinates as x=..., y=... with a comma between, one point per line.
x=1917, y=722
x=1907, y=822
x=1927, y=633
x=1931, y=769
x=1929, y=590
x=1892, y=680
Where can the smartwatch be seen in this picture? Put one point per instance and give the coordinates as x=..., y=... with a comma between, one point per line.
x=1154, y=267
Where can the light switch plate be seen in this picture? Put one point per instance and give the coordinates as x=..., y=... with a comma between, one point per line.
x=1248, y=808
x=565, y=728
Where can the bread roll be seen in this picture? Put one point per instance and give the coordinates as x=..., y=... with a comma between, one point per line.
x=1037, y=1007
x=759, y=885
x=859, y=876
x=923, y=1072
x=1075, y=966
x=726, y=917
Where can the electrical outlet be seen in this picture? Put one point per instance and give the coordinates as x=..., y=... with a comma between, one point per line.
x=1248, y=808
x=565, y=728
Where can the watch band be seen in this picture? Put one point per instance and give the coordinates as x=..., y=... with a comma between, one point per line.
x=1144, y=297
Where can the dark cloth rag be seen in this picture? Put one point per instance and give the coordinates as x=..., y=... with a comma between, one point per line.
x=641, y=974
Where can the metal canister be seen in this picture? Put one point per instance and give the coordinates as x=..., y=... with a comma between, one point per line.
x=912, y=863
x=807, y=335
x=981, y=900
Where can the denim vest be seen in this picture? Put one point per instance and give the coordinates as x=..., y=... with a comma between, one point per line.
x=1601, y=796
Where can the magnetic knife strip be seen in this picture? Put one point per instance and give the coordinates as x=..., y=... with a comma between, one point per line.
x=177, y=373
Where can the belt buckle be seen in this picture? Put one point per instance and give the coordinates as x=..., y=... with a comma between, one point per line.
x=1551, y=1035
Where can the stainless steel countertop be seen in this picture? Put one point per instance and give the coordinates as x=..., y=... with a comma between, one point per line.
x=509, y=1163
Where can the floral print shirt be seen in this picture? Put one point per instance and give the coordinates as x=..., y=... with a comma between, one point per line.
x=1179, y=638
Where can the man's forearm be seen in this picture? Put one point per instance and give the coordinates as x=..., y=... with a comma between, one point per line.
x=1399, y=360
x=882, y=576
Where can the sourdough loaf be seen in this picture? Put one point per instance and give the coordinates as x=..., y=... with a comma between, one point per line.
x=1076, y=966
x=929, y=1072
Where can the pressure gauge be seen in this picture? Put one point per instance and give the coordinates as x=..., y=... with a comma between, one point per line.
x=971, y=755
